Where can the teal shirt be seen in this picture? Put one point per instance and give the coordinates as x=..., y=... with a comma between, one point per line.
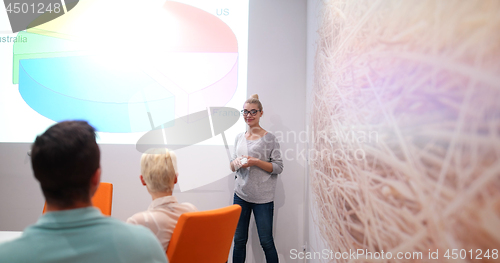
x=82, y=235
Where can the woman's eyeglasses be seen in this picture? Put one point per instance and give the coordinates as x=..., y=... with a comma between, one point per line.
x=252, y=112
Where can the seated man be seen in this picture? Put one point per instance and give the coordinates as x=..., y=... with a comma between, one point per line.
x=159, y=175
x=66, y=162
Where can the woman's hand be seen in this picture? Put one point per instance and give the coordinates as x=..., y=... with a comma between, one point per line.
x=236, y=164
x=251, y=161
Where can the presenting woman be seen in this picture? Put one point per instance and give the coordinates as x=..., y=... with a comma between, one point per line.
x=257, y=163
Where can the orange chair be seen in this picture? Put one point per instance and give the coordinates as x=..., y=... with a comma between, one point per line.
x=204, y=236
x=102, y=199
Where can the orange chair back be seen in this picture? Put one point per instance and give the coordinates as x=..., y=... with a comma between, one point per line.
x=102, y=199
x=204, y=236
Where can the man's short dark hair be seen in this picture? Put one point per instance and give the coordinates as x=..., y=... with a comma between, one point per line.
x=64, y=158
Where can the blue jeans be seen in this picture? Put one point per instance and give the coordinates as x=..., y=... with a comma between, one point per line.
x=263, y=214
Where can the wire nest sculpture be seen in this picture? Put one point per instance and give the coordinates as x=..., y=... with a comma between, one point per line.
x=405, y=127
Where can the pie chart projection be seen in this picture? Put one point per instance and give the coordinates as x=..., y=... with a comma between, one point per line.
x=187, y=61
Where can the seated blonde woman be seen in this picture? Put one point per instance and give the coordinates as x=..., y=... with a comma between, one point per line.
x=159, y=175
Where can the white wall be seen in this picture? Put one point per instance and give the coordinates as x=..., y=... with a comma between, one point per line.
x=277, y=72
x=277, y=44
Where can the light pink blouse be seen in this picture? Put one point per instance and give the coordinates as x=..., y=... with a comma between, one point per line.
x=161, y=217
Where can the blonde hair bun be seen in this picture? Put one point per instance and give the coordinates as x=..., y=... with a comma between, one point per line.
x=254, y=99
